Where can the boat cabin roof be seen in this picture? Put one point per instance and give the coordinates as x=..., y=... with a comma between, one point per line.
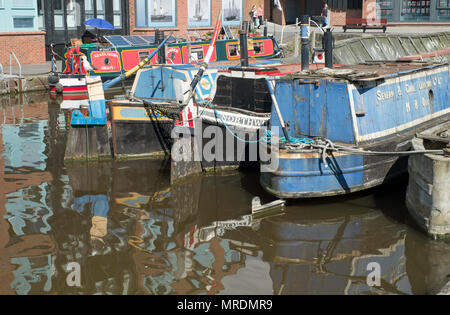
x=367, y=71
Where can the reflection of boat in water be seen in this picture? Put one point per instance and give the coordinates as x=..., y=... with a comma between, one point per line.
x=328, y=252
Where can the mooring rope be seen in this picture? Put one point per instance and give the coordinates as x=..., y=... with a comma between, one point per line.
x=325, y=146
x=294, y=145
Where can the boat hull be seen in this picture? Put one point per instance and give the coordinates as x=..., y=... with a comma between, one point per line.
x=70, y=86
x=113, y=62
x=381, y=116
x=428, y=194
x=139, y=131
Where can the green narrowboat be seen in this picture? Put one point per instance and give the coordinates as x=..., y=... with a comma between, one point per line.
x=117, y=54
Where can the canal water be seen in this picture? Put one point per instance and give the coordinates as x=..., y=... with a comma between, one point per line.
x=118, y=227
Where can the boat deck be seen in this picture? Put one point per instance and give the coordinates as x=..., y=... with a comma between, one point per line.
x=368, y=71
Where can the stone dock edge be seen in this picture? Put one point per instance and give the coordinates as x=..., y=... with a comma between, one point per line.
x=28, y=83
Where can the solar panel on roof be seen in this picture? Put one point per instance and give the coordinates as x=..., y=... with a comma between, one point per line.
x=149, y=38
x=136, y=40
x=117, y=40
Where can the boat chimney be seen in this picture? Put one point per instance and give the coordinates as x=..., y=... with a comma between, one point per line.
x=305, y=42
x=245, y=25
x=159, y=38
x=243, y=47
x=328, y=46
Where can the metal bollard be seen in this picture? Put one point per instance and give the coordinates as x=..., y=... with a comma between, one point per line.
x=243, y=48
x=328, y=46
x=159, y=37
x=305, y=42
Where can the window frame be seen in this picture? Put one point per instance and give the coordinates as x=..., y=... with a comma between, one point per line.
x=149, y=23
x=20, y=29
x=199, y=24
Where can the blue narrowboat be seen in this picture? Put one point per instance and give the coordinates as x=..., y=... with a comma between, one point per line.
x=142, y=123
x=358, y=122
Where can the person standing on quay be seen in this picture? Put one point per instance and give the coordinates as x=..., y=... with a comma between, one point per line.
x=254, y=16
x=259, y=13
x=325, y=14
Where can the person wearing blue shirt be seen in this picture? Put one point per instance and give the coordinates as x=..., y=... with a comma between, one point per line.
x=326, y=15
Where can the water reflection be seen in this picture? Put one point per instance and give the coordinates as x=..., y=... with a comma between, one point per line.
x=133, y=233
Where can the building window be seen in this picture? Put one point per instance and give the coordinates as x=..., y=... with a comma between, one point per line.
x=117, y=8
x=73, y=14
x=155, y=13
x=41, y=24
x=89, y=9
x=141, y=13
x=354, y=4
x=337, y=4
x=58, y=14
x=22, y=4
x=20, y=23
x=231, y=12
x=386, y=9
x=199, y=13
x=100, y=9
x=443, y=10
x=415, y=10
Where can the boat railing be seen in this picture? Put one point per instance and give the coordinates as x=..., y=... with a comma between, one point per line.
x=284, y=28
x=297, y=23
x=11, y=55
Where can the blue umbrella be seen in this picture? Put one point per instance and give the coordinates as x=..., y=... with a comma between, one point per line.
x=100, y=24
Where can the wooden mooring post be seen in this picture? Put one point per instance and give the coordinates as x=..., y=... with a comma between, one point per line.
x=88, y=137
x=88, y=143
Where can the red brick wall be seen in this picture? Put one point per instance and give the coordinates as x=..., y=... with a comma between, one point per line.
x=182, y=18
x=337, y=17
x=29, y=47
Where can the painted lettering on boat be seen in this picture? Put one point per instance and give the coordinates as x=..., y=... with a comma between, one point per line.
x=424, y=85
x=242, y=120
x=382, y=96
x=410, y=88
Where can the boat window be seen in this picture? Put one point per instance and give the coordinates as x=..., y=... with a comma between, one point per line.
x=196, y=53
x=258, y=47
x=233, y=50
x=143, y=55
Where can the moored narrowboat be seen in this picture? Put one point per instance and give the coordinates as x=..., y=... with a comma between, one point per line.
x=359, y=121
x=118, y=54
x=114, y=55
x=142, y=122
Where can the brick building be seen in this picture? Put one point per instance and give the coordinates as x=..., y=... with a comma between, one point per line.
x=19, y=32
x=28, y=26
x=185, y=17
x=397, y=12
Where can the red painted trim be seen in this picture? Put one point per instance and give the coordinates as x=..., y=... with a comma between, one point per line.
x=432, y=54
x=75, y=97
x=82, y=88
